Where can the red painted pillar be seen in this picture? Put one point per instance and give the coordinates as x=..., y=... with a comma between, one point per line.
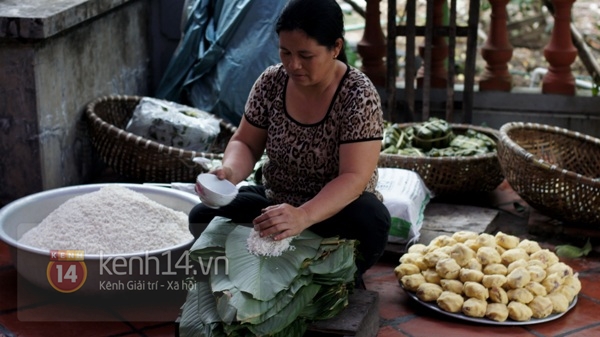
x=497, y=51
x=560, y=52
x=371, y=47
x=439, y=52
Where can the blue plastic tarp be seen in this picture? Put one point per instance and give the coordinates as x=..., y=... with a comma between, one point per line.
x=225, y=45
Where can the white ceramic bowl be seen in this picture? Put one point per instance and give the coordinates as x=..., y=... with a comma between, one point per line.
x=214, y=192
x=155, y=266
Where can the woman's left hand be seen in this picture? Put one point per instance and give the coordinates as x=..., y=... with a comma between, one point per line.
x=281, y=221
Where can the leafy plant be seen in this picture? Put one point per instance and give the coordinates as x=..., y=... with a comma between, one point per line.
x=352, y=55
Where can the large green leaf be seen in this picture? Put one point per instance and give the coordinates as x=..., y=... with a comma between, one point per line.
x=207, y=255
x=248, y=295
x=288, y=314
x=295, y=329
x=213, y=237
x=253, y=311
x=220, y=281
x=198, y=312
x=190, y=323
x=206, y=304
x=327, y=303
x=338, y=267
x=342, y=258
x=237, y=330
x=225, y=311
x=264, y=277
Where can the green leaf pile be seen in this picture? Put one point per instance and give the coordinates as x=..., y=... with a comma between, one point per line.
x=434, y=138
x=249, y=295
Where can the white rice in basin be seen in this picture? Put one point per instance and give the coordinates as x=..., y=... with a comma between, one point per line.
x=112, y=220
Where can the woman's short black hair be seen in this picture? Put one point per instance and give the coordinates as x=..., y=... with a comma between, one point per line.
x=322, y=20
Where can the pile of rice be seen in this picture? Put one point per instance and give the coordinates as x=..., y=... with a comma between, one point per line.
x=266, y=246
x=112, y=220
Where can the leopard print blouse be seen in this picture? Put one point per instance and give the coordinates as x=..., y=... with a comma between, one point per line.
x=302, y=158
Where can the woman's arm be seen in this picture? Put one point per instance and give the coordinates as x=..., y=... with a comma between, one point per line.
x=358, y=161
x=244, y=149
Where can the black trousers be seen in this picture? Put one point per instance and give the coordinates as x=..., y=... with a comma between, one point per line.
x=366, y=219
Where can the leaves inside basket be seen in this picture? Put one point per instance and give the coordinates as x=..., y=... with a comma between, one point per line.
x=434, y=138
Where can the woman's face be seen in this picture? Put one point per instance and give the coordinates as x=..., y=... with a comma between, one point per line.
x=305, y=60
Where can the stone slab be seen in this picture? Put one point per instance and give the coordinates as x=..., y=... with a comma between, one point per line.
x=447, y=219
x=34, y=19
x=442, y=218
x=46, y=85
x=359, y=319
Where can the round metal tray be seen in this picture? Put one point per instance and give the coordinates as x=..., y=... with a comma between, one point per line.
x=508, y=322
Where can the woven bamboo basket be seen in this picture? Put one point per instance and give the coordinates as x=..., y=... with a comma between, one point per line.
x=452, y=175
x=139, y=158
x=555, y=170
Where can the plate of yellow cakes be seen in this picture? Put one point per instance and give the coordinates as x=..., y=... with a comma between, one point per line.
x=491, y=279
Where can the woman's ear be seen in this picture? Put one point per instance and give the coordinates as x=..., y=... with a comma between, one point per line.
x=339, y=45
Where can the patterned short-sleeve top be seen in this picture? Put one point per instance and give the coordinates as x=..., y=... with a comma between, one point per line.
x=303, y=158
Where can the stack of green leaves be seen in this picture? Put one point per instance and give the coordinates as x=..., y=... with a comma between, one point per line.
x=249, y=295
x=434, y=138
x=433, y=133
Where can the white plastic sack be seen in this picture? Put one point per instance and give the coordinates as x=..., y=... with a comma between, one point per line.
x=174, y=124
x=405, y=196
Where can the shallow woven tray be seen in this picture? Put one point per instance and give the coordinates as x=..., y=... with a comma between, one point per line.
x=449, y=175
x=553, y=170
x=137, y=157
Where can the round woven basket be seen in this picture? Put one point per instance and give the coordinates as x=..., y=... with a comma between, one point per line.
x=553, y=170
x=451, y=175
x=139, y=158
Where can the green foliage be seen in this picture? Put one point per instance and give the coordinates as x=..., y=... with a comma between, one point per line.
x=434, y=138
x=352, y=55
x=527, y=5
x=266, y=296
x=522, y=6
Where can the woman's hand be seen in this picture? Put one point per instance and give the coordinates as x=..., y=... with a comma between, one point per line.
x=222, y=172
x=281, y=221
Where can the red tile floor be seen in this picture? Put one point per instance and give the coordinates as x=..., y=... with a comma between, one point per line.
x=27, y=311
